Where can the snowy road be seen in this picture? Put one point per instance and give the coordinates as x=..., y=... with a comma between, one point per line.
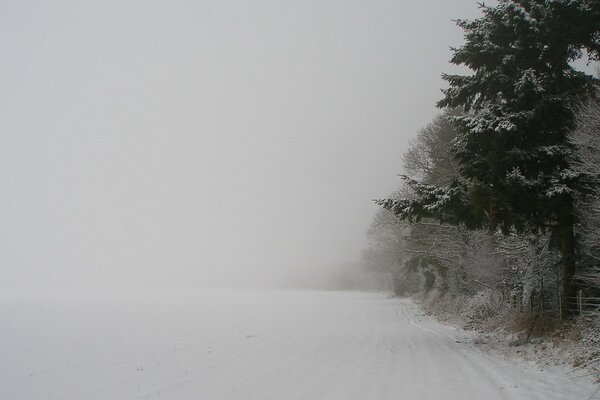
x=259, y=345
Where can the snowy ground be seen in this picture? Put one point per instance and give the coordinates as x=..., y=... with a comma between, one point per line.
x=250, y=345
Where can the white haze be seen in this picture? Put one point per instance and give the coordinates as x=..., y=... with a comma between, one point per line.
x=195, y=144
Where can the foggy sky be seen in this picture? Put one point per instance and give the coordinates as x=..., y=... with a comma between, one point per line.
x=192, y=143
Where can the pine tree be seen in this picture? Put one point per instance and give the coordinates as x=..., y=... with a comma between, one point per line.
x=513, y=151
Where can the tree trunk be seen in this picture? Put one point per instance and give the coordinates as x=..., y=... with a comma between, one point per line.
x=567, y=250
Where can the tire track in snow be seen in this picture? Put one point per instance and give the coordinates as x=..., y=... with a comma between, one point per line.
x=265, y=345
x=450, y=351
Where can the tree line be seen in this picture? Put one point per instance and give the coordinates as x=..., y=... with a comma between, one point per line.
x=501, y=191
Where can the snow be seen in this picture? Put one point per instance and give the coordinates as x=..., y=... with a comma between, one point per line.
x=250, y=345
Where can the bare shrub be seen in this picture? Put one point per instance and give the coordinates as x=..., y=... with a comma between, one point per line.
x=481, y=308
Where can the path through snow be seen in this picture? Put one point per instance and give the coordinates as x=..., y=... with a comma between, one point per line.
x=246, y=345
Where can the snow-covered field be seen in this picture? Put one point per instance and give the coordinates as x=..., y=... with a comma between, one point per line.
x=249, y=345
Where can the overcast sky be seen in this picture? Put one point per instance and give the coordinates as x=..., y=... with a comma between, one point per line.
x=199, y=143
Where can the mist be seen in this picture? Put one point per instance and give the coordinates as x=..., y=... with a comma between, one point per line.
x=206, y=144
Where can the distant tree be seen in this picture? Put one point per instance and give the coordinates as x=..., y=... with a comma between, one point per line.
x=432, y=249
x=513, y=153
x=428, y=157
x=387, y=251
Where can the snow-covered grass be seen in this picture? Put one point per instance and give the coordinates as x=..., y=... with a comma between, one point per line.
x=250, y=345
x=586, y=352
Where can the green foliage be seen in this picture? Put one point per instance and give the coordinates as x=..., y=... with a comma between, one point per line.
x=447, y=205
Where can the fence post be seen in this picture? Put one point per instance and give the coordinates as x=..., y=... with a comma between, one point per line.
x=560, y=305
x=580, y=301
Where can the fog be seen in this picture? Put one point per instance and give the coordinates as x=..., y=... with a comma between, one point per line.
x=206, y=144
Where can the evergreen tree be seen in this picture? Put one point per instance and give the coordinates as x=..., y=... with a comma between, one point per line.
x=513, y=151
